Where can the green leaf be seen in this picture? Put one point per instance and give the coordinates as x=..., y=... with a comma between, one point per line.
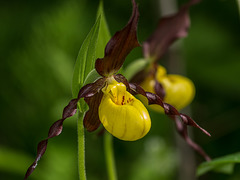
x=92, y=48
x=104, y=37
x=223, y=164
x=85, y=60
x=104, y=34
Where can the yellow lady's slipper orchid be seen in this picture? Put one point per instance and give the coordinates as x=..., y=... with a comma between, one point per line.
x=179, y=90
x=122, y=115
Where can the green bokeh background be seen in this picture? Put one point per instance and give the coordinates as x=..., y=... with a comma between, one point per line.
x=39, y=42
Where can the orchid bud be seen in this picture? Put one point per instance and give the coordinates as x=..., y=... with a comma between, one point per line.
x=179, y=90
x=122, y=115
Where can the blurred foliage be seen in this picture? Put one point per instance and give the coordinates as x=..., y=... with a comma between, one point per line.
x=223, y=165
x=39, y=43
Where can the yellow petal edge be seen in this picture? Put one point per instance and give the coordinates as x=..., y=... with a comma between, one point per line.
x=122, y=115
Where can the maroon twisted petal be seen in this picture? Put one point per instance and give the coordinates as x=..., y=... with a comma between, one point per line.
x=54, y=130
x=173, y=114
x=86, y=91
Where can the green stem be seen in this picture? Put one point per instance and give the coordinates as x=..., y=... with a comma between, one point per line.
x=109, y=154
x=81, y=148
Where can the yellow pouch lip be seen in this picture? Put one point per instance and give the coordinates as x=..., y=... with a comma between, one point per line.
x=125, y=118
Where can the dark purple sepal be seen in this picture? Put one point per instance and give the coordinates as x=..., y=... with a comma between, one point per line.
x=173, y=113
x=93, y=98
x=119, y=46
x=169, y=29
x=91, y=119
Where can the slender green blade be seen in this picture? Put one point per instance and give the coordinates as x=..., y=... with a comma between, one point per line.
x=85, y=60
x=92, y=48
x=223, y=164
x=104, y=34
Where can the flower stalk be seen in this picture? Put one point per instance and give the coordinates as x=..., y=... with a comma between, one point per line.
x=109, y=155
x=81, y=147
